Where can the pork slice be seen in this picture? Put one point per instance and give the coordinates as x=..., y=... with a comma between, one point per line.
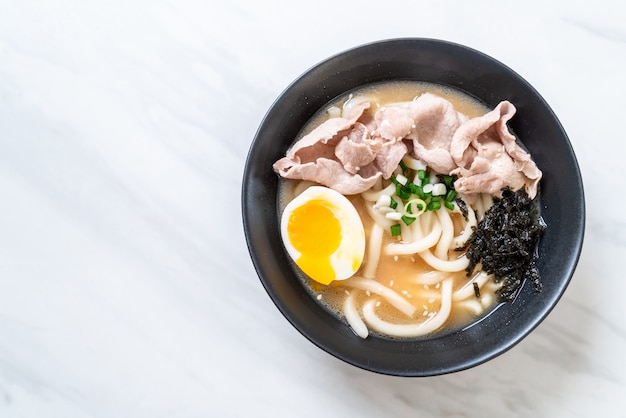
x=339, y=154
x=332, y=174
x=389, y=157
x=319, y=143
x=489, y=158
x=395, y=122
x=429, y=122
x=490, y=170
x=325, y=133
x=357, y=149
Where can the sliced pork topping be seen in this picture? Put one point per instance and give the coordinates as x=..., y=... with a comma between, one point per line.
x=331, y=173
x=321, y=141
x=350, y=153
x=489, y=158
x=341, y=154
x=357, y=149
x=429, y=122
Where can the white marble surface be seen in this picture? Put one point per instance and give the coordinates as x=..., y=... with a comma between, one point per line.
x=126, y=289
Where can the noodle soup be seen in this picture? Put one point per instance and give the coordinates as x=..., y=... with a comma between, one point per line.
x=414, y=279
x=407, y=275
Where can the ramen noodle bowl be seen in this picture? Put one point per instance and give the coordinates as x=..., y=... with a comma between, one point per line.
x=413, y=281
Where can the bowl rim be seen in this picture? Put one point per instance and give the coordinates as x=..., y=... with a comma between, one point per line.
x=268, y=267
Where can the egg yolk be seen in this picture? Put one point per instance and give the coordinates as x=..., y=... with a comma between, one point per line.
x=315, y=233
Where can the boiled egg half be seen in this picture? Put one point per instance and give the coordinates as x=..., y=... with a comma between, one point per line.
x=323, y=233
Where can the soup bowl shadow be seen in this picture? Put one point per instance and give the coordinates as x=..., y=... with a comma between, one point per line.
x=488, y=80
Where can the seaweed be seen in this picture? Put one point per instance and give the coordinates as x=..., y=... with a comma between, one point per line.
x=462, y=207
x=504, y=243
x=476, y=290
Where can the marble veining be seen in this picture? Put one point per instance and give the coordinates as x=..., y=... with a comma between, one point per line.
x=126, y=289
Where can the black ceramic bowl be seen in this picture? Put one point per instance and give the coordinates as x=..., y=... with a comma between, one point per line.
x=562, y=203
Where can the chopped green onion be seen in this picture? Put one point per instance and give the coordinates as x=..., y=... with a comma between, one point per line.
x=408, y=220
x=403, y=193
x=434, y=205
x=439, y=189
x=420, y=207
x=382, y=201
x=396, y=230
x=448, y=181
x=428, y=192
x=415, y=189
x=451, y=195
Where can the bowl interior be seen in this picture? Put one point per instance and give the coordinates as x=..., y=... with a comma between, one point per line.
x=561, y=199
